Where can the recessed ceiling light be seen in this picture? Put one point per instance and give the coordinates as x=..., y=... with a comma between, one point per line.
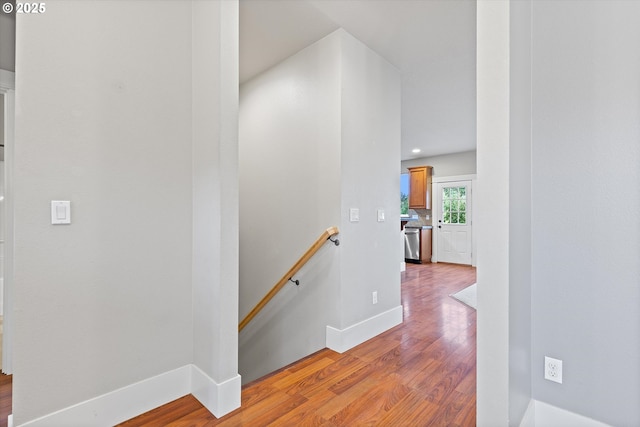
x=415, y=150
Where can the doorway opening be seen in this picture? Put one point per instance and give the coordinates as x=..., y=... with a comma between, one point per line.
x=453, y=237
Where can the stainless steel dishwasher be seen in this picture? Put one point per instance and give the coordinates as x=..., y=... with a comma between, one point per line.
x=412, y=245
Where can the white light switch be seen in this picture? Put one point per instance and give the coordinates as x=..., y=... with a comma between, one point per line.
x=354, y=214
x=60, y=212
x=380, y=215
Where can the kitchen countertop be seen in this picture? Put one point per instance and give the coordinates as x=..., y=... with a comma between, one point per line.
x=424, y=227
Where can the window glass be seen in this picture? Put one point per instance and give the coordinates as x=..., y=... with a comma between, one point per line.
x=404, y=194
x=454, y=205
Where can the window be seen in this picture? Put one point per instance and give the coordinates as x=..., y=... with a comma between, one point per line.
x=404, y=194
x=454, y=205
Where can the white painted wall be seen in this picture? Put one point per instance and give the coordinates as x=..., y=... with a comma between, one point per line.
x=575, y=102
x=492, y=213
x=289, y=194
x=586, y=199
x=2, y=226
x=520, y=366
x=215, y=188
x=305, y=125
x=370, y=130
x=446, y=165
x=125, y=134
x=2, y=119
x=7, y=41
x=2, y=214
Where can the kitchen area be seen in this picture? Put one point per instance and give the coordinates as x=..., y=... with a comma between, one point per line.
x=417, y=197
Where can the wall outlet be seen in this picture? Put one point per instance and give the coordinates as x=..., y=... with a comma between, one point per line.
x=553, y=369
x=375, y=297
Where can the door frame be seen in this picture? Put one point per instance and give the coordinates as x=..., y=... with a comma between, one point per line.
x=7, y=88
x=435, y=214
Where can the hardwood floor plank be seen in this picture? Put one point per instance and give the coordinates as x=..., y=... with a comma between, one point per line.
x=256, y=411
x=412, y=410
x=372, y=349
x=199, y=418
x=269, y=416
x=419, y=373
x=340, y=401
x=296, y=376
x=306, y=415
x=6, y=382
x=361, y=412
x=327, y=377
x=168, y=413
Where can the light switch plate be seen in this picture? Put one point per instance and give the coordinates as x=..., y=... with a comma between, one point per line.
x=354, y=214
x=60, y=212
x=380, y=215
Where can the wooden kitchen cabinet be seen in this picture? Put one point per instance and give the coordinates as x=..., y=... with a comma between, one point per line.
x=425, y=245
x=420, y=187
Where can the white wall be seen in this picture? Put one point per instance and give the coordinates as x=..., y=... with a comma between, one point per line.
x=575, y=102
x=446, y=165
x=305, y=125
x=215, y=188
x=586, y=199
x=2, y=119
x=108, y=301
x=2, y=204
x=492, y=214
x=520, y=366
x=290, y=183
x=7, y=41
x=370, y=130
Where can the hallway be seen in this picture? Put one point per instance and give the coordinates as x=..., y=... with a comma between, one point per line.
x=420, y=373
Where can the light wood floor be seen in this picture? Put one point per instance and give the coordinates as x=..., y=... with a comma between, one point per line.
x=420, y=373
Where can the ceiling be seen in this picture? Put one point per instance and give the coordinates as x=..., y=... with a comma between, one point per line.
x=431, y=42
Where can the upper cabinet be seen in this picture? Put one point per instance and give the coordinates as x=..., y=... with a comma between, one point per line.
x=420, y=187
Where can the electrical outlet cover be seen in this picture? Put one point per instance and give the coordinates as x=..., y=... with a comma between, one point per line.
x=354, y=214
x=553, y=369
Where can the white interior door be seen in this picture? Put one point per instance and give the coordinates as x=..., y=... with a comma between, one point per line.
x=454, y=222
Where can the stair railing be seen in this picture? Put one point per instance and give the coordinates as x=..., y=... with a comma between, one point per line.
x=326, y=235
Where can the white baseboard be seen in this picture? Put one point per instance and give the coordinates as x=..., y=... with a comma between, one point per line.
x=540, y=414
x=135, y=399
x=218, y=398
x=122, y=404
x=529, y=418
x=341, y=340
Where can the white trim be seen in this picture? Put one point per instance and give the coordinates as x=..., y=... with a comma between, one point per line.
x=529, y=417
x=218, y=398
x=540, y=414
x=469, y=177
x=7, y=80
x=135, y=399
x=7, y=87
x=122, y=404
x=341, y=340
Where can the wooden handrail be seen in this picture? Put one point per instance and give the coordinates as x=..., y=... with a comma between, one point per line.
x=329, y=232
